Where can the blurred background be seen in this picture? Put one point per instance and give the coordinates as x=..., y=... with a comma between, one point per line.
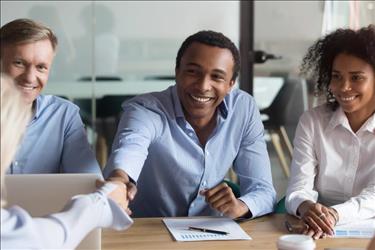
x=110, y=51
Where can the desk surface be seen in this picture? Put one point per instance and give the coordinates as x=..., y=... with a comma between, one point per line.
x=151, y=233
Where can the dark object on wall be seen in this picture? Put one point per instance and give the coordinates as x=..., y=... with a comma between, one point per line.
x=100, y=78
x=261, y=57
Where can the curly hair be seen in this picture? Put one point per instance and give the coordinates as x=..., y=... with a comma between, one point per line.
x=318, y=61
x=211, y=38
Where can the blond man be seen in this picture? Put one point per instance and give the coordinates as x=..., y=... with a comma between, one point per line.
x=55, y=140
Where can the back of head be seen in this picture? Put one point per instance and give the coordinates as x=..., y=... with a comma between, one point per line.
x=21, y=31
x=14, y=117
x=317, y=63
x=215, y=39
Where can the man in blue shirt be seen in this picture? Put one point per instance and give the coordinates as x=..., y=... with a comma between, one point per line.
x=55, y=140
x=178, y=144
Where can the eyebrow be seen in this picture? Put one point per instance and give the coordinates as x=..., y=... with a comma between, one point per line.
x=351, y=72
x=220, y=71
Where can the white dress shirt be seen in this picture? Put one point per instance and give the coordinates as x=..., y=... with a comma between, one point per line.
x=66, y=229
x=333, y=165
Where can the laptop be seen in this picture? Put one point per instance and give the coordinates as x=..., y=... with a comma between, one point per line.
x=42, y=194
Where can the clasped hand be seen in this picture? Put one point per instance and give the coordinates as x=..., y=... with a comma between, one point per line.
x=125, y=191
x=222, y=199
x=318, y=220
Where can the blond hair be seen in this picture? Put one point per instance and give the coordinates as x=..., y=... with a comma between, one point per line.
x=15, y=114
x=25, y=30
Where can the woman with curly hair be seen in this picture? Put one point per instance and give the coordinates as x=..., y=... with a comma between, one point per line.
x=333, y=168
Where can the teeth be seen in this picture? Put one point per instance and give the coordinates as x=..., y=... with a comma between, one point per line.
x=27, y=87
x=347, y=99
x=201, y=99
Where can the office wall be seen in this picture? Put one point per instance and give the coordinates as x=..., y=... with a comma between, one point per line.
x=285, y=28
x=133, y=38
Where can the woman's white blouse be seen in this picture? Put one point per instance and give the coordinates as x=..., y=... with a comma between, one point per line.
x=66, y=229
x=333, y=165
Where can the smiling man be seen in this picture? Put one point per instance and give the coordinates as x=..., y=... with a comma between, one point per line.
x=177, y=145
x=55, y=140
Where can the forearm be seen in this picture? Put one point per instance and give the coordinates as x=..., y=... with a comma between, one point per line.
x=87, y=212
x=357, y=208
x=260, y=200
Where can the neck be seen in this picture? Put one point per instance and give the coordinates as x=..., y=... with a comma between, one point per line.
x=357, y=119
x=203, y=128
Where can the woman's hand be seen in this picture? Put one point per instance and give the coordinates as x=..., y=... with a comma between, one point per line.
x=118, y=193
x=320, y=220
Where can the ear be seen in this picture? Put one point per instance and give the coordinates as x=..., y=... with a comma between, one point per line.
x=231, y=84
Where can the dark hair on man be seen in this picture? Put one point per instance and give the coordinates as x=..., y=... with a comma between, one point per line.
x=24, y=30
x=211, y=38
x=317, y=63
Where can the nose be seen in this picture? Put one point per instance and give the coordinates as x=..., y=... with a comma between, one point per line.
x=345, y=85
x=204, y=83
x=30, y=75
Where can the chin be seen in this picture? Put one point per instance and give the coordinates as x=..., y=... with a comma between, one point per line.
x=29, y=99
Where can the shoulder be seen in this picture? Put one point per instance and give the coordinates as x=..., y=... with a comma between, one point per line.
x=319, y=115
x=154, y=102
x=240, y=101
x=49, y=106
x=238, y=95
x=56, y=103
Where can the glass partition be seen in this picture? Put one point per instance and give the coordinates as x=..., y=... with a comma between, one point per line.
x=112, y=50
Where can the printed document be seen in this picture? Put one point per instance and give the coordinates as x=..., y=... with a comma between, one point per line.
x=359, y=229
x=179, y=228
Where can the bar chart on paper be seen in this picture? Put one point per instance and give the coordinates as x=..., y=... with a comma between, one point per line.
x=179, y=228
x=358, y=229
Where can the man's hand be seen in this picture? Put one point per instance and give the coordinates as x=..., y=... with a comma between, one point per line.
x=222, y=199
x=118, y=194
x=119, y=175
x=320, y=220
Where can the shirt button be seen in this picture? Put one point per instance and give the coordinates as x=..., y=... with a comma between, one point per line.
x=191, y=134
x=16, y=163
x=204, y=183
x=207, y=153
x=192, y=204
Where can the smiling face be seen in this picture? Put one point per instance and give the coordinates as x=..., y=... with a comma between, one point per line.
x=29, y=65
x=203, y=79
x=353, y=85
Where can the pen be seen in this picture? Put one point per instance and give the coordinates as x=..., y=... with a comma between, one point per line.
x=208, y=230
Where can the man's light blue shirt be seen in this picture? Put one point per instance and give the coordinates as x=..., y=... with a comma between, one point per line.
x=54, y=141
x=160, y=150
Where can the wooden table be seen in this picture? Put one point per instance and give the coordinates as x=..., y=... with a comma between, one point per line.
x=151, y=233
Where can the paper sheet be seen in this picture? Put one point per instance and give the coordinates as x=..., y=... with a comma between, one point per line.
x=179, y=228
x=360, y=229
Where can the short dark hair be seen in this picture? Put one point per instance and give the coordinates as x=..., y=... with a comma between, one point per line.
x=212, y=38
x=26, y=30
x=317, y=63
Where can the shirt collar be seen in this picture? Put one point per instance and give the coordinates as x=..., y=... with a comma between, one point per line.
x=37, y=107
x=370, y=124
x=223, y=107
x=339, y=118
x=177, y=104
